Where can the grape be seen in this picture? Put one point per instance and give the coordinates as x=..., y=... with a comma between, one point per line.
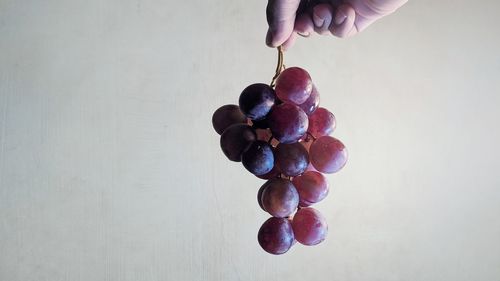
x=259, y=158
x=226, y=116
x=276, y=236
x=294, y=85
x=328, y=154
x=280, y=198
x=256, y=100
x=236, y=139
x=321, y=123
x=292, y=159
x=288, y=122
x=272, y=174
x=312, y=188
x=309, y=226
x=259, y=195
x=312, y=103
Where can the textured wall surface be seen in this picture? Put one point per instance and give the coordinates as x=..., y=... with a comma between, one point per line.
x=110, y=170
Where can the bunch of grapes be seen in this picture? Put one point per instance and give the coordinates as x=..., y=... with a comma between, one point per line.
x=281, y=135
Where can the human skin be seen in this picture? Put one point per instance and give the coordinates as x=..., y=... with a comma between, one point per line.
x=340, y=18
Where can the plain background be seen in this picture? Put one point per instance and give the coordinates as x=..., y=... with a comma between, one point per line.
x=110, y=169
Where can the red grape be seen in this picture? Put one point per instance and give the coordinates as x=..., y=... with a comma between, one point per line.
x=236, y=139
x=226, y=116
x=288, y=123
x=292, y=159
x=312, y=103
x=328, y=154
x=321, y=123
x=309, y=226
x=256, y=100
x=280, y=198
x=294, y=85
x=276, y=236
x=259, y=158
x=312, y=188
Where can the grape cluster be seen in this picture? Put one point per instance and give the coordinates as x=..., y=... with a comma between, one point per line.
x=281, y=135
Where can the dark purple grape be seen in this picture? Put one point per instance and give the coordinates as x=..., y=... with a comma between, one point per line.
x=288, y=123
x=294, y=85
x=328, y=154
x=321, y=123
x=276, y=236
x=312, y=103
x=236, y=139
x=280, y=198
x=259, y=158
x=256, y=100
x=312, y=188
x=226, y=116
x=292, y=159
x=309, y=226
x=271, y=175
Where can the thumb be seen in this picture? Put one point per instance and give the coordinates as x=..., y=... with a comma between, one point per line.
x=281, y=19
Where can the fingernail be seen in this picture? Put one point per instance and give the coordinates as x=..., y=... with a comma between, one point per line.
x=340, y=17
x=304, y=34
x=318, y=21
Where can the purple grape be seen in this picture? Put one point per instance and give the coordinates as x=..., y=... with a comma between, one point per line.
x=312, y=188
x=294, y=85
x=256, y=100
x=309, y=226
x=236, y=139
x=259, y=195
x=276, y=236
x=292, y=159
x=328, y=154
x=312, y=103
x=321, y=123
x=259, y=158
x=288, y=123
x=280, y=198
x=226, y=116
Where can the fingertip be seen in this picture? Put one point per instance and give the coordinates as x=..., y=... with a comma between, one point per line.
x=317, y=20
x=281, y=18
x=322, y=15
x=340, y=17
x=346, y=15
x=304, y=25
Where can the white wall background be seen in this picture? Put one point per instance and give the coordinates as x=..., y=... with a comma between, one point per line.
x=110, y=169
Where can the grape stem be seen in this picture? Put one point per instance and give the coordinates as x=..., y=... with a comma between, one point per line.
x=279, y=67
x=270, y=139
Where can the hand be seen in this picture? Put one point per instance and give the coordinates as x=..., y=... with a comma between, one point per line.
x=341, y=18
